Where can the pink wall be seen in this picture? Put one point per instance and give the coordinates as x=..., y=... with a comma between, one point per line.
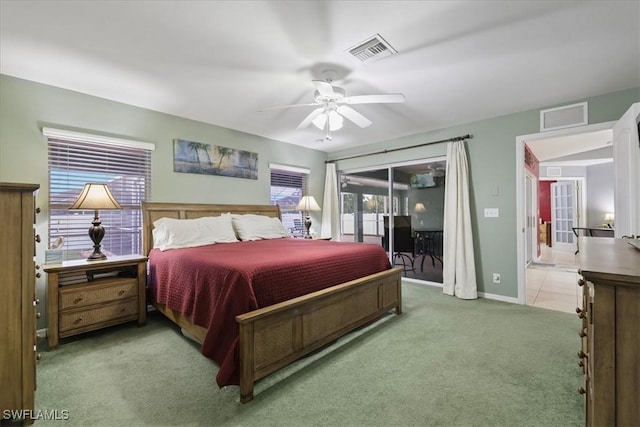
x=544, y=200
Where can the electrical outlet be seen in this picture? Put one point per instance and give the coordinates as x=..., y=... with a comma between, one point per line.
x=496, y=278
x=491, y=212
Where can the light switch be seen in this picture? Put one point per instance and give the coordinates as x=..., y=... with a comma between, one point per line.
x=491, y=212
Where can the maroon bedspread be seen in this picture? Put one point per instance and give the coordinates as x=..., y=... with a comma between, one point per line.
x=212, y=284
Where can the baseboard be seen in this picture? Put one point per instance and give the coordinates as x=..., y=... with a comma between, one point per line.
x=498, y=297
x=421, y=282
x=480, y=294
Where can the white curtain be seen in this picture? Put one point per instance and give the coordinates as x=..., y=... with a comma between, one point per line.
x=459, y=271
x=330, y=211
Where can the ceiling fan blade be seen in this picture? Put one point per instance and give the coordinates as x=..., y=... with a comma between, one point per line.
x=278, y=107
x=315, y=113
x=354, y=116
x=386, y=98
x=323, y=88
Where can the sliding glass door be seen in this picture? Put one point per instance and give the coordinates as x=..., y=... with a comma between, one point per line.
x=400, y=207
x=364, y=201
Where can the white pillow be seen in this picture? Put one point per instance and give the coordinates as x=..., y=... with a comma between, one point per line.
x=171, y=233
x=258, y=227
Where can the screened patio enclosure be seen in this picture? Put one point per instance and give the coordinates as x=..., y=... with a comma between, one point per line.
x=413, y=194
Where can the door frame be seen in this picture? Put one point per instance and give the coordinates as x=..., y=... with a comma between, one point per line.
x=532, y=219
x=520, y=191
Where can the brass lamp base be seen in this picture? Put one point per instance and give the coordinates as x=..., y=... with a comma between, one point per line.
x=96, y=233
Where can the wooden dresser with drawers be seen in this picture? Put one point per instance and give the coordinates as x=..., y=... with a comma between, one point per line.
x=610, y=354
x=18, y=301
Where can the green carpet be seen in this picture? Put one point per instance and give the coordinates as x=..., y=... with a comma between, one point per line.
x=443, y=362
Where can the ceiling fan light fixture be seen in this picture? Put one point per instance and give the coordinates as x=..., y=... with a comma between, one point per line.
x=320, y=121
x=335, y=120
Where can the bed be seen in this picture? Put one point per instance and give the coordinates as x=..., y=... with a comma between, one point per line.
x=259, y=330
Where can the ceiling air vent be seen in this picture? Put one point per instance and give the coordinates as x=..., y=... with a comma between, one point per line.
x=373, y=48
x=564, y=117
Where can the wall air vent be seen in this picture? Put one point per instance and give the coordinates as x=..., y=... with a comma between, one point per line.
x=564, y=117
x=373, y=48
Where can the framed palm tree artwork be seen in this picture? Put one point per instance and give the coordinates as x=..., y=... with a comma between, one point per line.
x=208, y=159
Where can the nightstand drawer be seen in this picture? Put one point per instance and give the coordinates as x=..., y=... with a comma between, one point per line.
x=82, y=295
x=77, y=319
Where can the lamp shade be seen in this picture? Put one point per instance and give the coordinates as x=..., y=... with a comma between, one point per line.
x=335, y=120
x=419, y=208
x=308, y=204
x=608, y=216
x=95, y=196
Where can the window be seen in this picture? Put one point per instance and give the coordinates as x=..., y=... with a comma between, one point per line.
x=125, y=166
x=288, y=185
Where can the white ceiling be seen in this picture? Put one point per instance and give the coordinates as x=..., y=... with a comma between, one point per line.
x=221, y=61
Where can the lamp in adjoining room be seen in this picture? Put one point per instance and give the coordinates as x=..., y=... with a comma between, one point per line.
x=608, y=219
x=308, y=204
x=95, y=197
x=419, y=209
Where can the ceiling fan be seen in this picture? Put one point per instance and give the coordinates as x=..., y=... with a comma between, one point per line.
x=333, y=106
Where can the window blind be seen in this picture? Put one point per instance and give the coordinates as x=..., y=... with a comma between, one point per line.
x=287, y=188
x=127, y=172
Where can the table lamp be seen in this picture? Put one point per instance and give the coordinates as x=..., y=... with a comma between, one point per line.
x=95, y=196
x=419, y=209
x=308, y=204
x=608, y=219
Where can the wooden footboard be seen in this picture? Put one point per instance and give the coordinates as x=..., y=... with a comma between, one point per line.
x=273, y=337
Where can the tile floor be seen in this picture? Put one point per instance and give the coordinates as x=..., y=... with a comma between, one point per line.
x=552, y=281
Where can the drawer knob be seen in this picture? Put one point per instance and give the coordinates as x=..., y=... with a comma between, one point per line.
x=77, y=300
x=38, y=210
x=36, y=301
x=122, y=310
x=38, y=238
x=37, y=266
x=581, y=282
x=38, y=275
x=78, y=320
x=121, y=292
x=37, y=315
x=581, y=390
x=38, y=356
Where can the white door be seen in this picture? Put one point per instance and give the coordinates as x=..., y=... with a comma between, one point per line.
x=626, y=158
x=563, y=215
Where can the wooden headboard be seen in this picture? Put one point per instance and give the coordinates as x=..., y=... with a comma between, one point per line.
x=152, y=211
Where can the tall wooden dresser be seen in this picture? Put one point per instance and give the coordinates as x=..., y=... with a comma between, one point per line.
x=610, y=354
x=17, y=301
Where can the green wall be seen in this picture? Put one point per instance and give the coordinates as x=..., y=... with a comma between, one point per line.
x=25, y=107
x=492, y=167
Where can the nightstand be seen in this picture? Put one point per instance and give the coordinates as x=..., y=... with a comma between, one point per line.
x=86, y=295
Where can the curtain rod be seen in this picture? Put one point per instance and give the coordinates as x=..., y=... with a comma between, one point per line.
x=454, y=139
